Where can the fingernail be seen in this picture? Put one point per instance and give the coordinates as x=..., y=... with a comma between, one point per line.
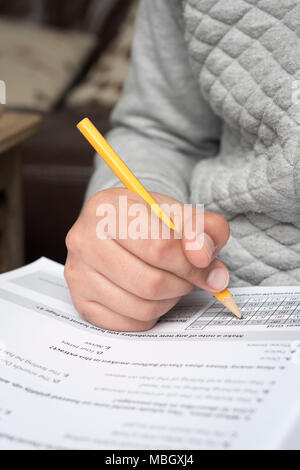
x=203, y=241
x=218, y=279
x=209, y=246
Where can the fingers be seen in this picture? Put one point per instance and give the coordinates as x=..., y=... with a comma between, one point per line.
x=175, y=256
x=195, y=265
x=204, y=247
x=102, y=317
x=107, y=306
x=212, y=226
x=215, y=278
x=131, y=273
x=93, y=286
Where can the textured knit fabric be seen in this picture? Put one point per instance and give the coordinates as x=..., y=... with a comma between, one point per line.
x=208, y=117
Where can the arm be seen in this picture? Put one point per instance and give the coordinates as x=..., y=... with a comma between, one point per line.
x=162, y=124
x=261, y=181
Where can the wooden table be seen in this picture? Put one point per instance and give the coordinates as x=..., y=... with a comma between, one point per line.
x=14, y=129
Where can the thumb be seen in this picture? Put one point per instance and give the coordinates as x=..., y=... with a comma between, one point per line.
x=199, y=247
x=204, y=235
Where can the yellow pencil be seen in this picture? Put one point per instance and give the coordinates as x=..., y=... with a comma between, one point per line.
x=121, y=170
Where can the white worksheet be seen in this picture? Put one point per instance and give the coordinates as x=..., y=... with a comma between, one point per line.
x=200, y=379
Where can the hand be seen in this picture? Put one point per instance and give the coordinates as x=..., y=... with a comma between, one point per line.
x=127, y=285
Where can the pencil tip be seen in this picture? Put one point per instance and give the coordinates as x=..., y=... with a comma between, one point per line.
x=229, y=303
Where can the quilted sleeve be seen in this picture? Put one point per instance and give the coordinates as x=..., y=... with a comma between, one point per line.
x=251, y=180
x=162, y=125
x=245, y=55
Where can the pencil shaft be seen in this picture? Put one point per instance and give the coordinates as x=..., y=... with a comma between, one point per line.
x=120, y=169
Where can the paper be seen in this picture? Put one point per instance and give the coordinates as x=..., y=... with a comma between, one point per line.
x=199, y=380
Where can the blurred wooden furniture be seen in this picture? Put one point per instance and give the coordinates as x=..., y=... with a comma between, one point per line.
x=15, y=128
x=57, y=163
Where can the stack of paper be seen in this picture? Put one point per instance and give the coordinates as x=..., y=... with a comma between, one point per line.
x=201, y=379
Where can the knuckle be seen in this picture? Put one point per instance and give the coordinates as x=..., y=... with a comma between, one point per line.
x=85, y=315
x=145, y=326
x=186, y=271
x=91, y=205
x=154, y=284
x=93, y=318
x=224, y=225
x=81, y=308
x=221, y=223
x=149, y=311
x=159, y=250
x=188, y=289
x=69, y=272
x=73, y=240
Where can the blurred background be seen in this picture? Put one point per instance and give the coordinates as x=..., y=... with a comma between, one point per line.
x=63, y=60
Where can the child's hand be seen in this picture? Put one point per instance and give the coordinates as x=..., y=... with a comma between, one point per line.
x=129, y=284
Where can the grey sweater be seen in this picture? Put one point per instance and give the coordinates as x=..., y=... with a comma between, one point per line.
x=207, y=116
